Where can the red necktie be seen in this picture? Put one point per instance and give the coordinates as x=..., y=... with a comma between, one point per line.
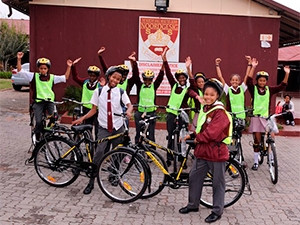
x=109, y=113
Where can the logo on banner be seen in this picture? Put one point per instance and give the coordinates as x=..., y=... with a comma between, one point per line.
x=156, y=34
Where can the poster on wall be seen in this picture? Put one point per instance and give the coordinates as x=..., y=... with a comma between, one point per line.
x=164, y=88
x=156, y=34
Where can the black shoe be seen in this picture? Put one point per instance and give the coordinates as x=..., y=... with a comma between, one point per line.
x=212, y=218
x=186, y=210
x=255, y=166
x=88, y=189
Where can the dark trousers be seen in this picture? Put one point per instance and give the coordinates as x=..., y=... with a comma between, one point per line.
x=92, y=120
x=104, y=147
x=197, y=175
x=38, y=109
x=288, y=116
x=151, y=128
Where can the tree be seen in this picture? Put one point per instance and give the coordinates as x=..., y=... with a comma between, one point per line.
x=12, y=40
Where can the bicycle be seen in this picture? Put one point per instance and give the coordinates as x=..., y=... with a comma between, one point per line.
x=267, y=148
x=160, y=177
x=58, y=161
x=50, y=126
x=236, y=144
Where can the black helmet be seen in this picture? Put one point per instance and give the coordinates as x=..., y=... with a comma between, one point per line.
x=43, y=61
x=215, y=83
x=200, y=75
x=148, y=74
x=262, y=74
x=94, y=69
x=113, y=69
x=124, y=69
x=180, y=72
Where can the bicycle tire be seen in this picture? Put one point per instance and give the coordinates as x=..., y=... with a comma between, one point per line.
x=49, y=166
x=234, y=185
x=157, y=178
x=239, y=153
x=120, y=180
x=82, y=146
x=273, y=164
x=176, y=149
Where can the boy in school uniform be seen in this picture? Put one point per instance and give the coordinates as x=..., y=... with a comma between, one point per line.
x=109, y=100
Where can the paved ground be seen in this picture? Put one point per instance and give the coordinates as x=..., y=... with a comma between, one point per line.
x=25, y=199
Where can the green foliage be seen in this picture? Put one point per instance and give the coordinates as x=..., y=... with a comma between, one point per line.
x=72, y=92
x=12, y=40
x=5, y=75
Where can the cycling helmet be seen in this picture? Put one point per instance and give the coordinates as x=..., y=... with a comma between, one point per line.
x=43, y=61
x=215, y=83
x=124, y=69
x=94, y=69
x=113, y=69
x=180, y=72
x=200, y=74
x=148, y=74
x=262, y=74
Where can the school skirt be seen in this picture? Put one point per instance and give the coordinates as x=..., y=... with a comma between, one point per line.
x=257, y=124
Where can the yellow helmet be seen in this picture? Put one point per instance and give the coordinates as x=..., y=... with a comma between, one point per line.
x=200, y=75
x=43, y=61
x=94, y=69
x=262, y=74
x=148, y=74
x=180, y=72
x=124, y=69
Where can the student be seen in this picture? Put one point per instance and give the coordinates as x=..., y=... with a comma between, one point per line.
x=109, y=100
x=261, y=95
x=41, y=84
x=146, y=96
x=196, y=85
x=89, y=85
x=211, y=137
x=235, y=97
x=289, y=108
x=125, y=84
x=178, y=99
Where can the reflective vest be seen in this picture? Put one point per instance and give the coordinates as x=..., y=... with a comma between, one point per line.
x=261, y=102
x=124, y=85
x=175, y=100
x=191, y=104
x=87, y=94
x=44, y=88
x=146, y=98
x=237, y=102
x=202, y=118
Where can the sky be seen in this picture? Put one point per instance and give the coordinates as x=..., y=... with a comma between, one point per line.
x=293, y=4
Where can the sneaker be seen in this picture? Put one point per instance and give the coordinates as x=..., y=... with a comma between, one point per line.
x=287, y=122
x=293, y=123
x=255, y=166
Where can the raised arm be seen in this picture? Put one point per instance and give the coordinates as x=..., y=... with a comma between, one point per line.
x=69, y=64
x=75, y=75
x=19, y=60
x=218, y=69
x=188, y=63
x=169, y=75
x=287, y=71
x=135, y=79
x=254, y=64
x=102, y=62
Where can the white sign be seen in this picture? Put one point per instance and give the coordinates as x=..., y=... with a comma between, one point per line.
x=156, y=34
x=266, y=37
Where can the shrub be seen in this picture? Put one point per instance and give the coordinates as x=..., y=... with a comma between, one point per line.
x=72, y=92
x=5, y=75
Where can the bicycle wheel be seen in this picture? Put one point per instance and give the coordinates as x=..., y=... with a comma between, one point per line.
x=176, y=149
x=272, y=161
x=234, y=185
x=239, y=153
x=122, y=175
x=50, y=167
x=157, y=178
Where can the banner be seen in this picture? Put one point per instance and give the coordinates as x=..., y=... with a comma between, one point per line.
x=156, y=34
x=164, y=88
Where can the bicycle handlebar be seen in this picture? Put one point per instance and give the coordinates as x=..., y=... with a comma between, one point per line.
x=49, y=100
x=74, y=101
x=234, y=114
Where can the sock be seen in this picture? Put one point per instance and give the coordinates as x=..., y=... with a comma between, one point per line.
x=256, y=157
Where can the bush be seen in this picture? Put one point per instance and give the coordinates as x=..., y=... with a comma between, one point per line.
x=72, y=92
x=5, y=75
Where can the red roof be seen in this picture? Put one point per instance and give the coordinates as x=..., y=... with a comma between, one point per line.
x=21, y=24
x=291, y=53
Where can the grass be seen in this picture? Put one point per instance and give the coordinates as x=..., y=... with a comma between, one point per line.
x=5, y=84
